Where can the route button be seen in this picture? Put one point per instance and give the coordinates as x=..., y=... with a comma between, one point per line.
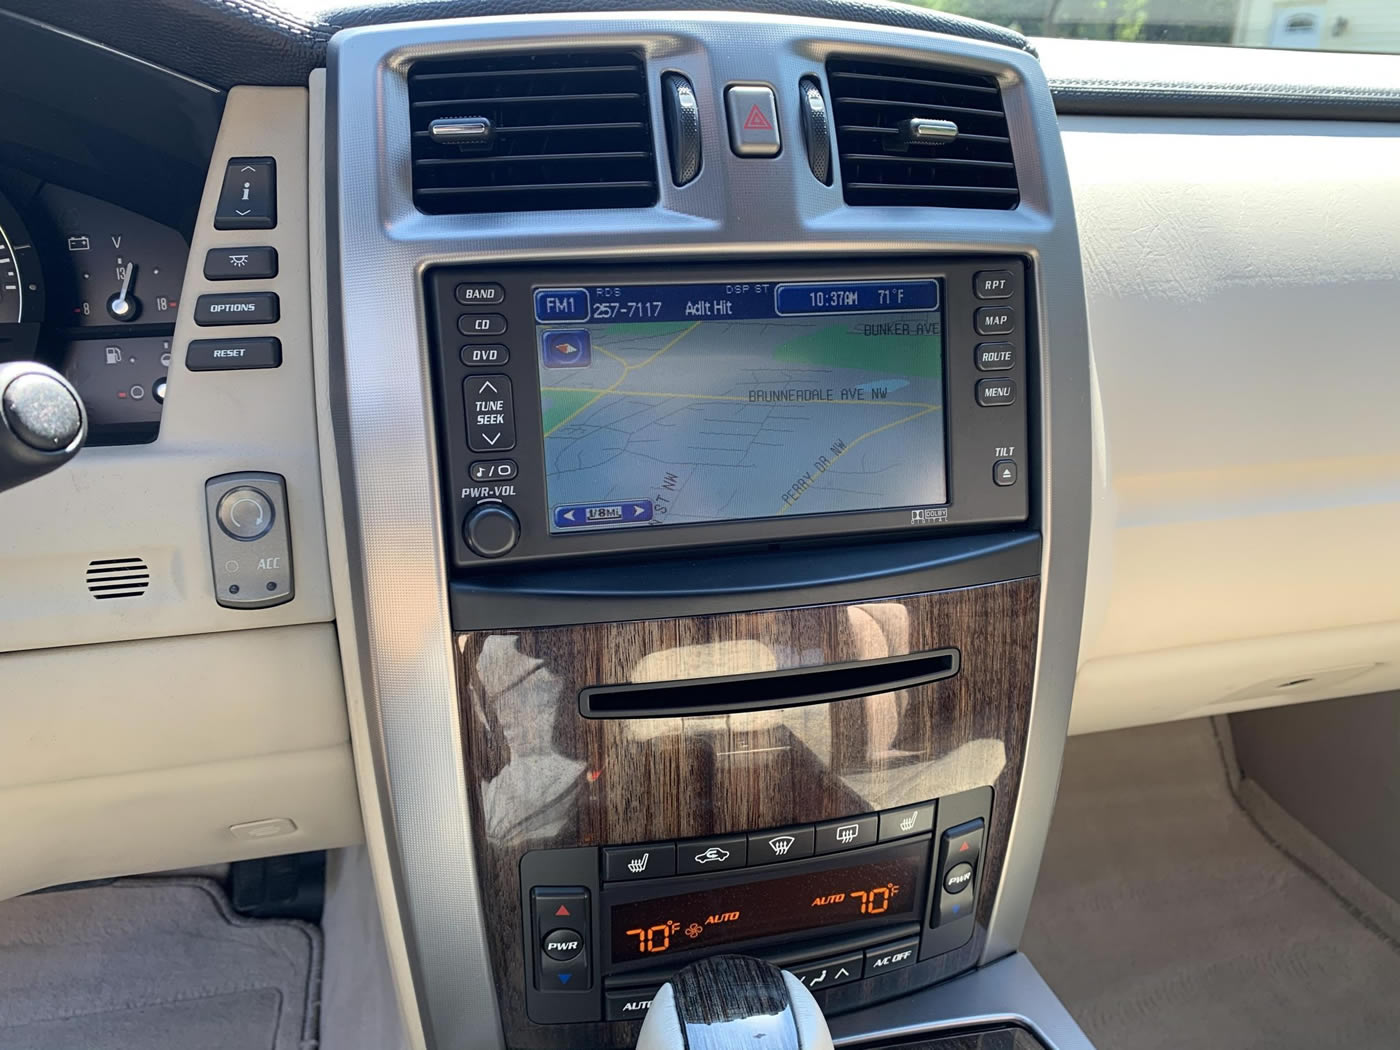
x=490, y=413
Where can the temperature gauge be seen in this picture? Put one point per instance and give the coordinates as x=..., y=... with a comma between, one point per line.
x=121, y=267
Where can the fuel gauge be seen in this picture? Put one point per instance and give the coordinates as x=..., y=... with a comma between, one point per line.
x=122, y=267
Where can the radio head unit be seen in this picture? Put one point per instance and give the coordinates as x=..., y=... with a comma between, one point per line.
x=617, y=409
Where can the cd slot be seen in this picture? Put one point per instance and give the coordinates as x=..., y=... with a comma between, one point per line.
x=768, y=689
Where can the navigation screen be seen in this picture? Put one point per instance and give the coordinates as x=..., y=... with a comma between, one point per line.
x=688, y=403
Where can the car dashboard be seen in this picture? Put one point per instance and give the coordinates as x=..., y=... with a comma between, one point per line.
x=668, y=483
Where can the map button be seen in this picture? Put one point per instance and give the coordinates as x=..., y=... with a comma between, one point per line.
x=561, y=304
x=490, y=413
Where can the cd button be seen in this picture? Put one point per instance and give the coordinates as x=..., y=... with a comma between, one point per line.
x=891, y=957
x=771, y=847
x=826, y=973
x=837, y=835
x=639, y=862
x=481, y=324
x=709, y=855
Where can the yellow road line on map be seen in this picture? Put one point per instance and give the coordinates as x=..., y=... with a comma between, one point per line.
x=626, y=371
x=853, y=444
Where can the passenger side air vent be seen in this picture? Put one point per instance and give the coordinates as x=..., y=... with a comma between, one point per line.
x=117, y=578
x=531, y=132
x=920, y=135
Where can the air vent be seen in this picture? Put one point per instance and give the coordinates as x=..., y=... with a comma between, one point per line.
x=532, y=132
x=921, y=135
x=117, y=578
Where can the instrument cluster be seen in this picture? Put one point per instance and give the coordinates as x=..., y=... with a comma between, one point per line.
x=92, y=289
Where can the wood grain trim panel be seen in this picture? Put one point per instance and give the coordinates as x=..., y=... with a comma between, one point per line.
x=541, y=776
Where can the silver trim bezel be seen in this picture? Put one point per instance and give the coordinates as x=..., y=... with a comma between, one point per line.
x=737, y=208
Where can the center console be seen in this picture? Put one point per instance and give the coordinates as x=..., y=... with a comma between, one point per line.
x=718, y=502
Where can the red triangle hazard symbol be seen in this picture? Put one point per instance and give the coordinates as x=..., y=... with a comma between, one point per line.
x=964, y=848
x=562, y=910
x=756, y=121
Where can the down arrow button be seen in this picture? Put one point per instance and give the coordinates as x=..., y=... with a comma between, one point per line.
x=490, y=413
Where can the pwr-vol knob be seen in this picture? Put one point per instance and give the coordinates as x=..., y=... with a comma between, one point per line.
x=491, y=530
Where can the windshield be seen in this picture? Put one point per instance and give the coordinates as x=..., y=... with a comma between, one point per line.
x=1339, y=25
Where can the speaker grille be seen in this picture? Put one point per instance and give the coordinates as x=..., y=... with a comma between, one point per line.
x=117, y=578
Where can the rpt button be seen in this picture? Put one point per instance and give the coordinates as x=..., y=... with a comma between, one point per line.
x=490, y=413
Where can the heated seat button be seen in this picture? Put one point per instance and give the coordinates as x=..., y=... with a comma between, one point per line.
x=639, y=862
x=561, y=945
x=913, y=820
x=248, y=197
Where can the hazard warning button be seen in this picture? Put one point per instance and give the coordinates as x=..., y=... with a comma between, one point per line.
x=753, y=120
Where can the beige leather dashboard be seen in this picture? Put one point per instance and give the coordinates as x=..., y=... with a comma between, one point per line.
x=1241, y=279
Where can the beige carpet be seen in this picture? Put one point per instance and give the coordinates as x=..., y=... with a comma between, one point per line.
x=1166, y=920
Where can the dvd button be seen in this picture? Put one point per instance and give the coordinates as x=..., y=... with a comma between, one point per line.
x=482, y=356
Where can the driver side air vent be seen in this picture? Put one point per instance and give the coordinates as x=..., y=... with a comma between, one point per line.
x=531, y=132
x=921, y=135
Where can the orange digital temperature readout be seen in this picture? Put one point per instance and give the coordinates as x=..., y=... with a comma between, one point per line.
x=879, y=889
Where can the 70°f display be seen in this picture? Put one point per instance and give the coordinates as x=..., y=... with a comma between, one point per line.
x=875, y=891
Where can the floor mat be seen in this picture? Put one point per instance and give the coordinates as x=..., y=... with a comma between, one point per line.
x=1166, y=920
x=153, y=964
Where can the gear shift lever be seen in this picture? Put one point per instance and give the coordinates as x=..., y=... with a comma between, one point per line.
x=734, y=1002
